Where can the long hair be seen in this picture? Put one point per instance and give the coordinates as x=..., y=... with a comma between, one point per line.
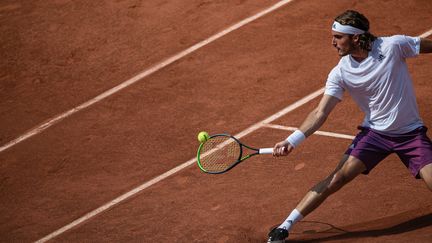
x=358, y=20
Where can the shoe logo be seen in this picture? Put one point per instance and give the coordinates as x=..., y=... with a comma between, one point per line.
x=381, y=57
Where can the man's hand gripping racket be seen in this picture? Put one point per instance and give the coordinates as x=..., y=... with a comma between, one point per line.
x=221, y=152
x=282, y=148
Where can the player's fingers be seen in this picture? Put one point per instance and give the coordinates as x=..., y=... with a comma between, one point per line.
x=276, y=150
x=279, y=151
x=286, y=151
x=282, y=151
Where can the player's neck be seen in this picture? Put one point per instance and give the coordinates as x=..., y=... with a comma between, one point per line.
x=359, y=54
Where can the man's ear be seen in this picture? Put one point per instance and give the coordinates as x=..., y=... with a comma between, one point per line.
x=356, y=39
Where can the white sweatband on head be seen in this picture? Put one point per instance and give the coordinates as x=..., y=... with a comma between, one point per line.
x=346, y=29
x=296, y=138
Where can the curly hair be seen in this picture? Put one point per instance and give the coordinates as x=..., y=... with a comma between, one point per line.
x=358, y=20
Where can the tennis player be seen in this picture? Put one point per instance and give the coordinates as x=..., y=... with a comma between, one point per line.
x=374, y=72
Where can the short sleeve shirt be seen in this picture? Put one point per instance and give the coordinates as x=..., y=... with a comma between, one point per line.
x=381, y=84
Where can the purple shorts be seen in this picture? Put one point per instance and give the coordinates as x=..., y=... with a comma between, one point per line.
x=413, y=148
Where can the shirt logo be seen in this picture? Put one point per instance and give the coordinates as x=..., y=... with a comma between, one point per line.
x=381, y=57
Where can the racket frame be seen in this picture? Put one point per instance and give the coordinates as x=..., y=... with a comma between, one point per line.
x=219, y=146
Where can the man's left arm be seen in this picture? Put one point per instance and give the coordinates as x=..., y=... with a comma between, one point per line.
x=425, y=45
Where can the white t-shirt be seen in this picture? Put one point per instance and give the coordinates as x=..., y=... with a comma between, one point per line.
x=381, y=84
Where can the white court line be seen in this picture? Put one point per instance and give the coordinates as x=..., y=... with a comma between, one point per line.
x=281, y=113
x=426, y=34
x=141, y=75
x=322, y=133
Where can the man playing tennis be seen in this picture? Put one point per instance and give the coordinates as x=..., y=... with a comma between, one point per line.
x=374, y=72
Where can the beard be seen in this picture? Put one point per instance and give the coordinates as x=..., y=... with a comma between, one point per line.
x=346, y=51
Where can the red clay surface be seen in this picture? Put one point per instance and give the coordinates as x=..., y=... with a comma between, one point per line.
x=57, y=54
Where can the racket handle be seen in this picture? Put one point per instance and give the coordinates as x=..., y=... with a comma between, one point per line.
x=266, y=151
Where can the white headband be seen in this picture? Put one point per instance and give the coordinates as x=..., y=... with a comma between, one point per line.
x=346, y=29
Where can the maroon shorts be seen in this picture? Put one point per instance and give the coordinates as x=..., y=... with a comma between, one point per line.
x=413, y=148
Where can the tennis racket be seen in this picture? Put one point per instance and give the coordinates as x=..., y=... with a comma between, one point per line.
x=221, y=152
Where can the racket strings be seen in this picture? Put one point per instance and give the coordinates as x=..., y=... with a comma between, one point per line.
x=219, y=153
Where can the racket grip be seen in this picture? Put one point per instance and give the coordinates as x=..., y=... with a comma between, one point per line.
x=266, y=151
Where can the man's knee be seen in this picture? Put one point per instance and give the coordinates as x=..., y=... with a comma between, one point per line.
x=338, y=181
x=348, y=171
x=330, y=184
x=322, y=186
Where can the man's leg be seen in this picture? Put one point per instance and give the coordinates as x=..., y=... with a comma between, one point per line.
x=426, y=175
x=348, y=168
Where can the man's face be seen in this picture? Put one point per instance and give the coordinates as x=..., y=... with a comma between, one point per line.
x=343, y=43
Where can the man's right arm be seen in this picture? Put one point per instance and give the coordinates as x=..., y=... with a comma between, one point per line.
x=319, y=115
x=313, y=122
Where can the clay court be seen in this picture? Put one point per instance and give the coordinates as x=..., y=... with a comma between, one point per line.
x=101, y=101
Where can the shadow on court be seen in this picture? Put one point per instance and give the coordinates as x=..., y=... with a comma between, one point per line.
x=334, y=233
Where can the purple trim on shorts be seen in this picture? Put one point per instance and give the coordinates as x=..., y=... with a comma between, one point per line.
x=413, y=148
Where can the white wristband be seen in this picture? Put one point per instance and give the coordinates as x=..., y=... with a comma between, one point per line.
x=296, y=138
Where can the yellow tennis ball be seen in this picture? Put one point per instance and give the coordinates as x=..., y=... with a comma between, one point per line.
x=203, y=136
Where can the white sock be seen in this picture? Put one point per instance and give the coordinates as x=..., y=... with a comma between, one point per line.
x=293, y=218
